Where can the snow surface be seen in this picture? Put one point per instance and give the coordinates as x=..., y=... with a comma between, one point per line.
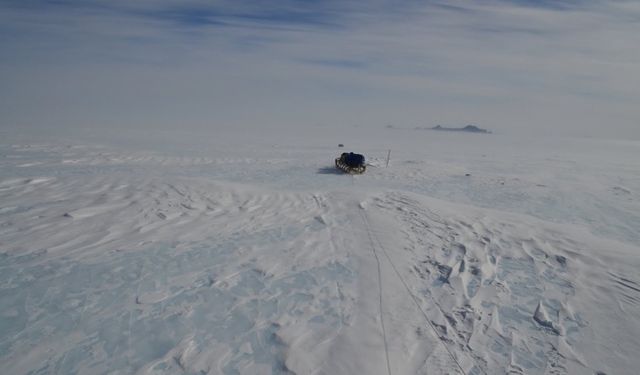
x=248, y=253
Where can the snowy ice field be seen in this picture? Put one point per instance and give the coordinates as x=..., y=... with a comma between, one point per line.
x=248, y=253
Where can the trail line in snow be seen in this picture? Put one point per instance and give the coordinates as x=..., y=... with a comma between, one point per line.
x=375, y=254
x=413, y=297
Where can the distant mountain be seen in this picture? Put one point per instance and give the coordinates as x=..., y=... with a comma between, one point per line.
x=468, y=129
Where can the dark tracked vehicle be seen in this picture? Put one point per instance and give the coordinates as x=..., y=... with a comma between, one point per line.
x=351, y=163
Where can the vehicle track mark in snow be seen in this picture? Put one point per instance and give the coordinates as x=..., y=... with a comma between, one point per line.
x=375, y=254
x=456, y=252
x=372, y=236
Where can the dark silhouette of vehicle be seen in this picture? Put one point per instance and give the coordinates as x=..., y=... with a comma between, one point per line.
x=351, y=163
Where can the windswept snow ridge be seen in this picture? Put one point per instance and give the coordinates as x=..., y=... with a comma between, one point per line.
x=268, y=263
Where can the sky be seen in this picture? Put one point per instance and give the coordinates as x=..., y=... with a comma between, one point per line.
x=565, y=67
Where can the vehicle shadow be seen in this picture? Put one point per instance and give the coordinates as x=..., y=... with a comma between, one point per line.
x=329, y=170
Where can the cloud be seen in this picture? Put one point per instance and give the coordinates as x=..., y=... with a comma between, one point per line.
x=540, y=66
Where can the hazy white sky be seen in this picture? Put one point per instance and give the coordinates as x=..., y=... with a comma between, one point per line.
x=534, y=67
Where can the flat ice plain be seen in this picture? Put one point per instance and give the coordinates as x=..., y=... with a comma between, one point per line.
x=247, y=253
